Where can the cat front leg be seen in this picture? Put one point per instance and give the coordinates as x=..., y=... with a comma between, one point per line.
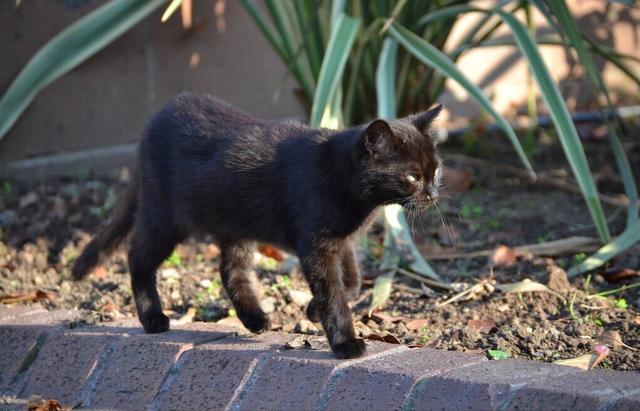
x=351, y=272
x=321, y=266
x=235, y=263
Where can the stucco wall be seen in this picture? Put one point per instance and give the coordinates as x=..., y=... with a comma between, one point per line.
x=105, y=102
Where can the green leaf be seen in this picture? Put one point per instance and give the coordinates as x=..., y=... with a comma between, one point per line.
x=626, y=240
x=68, y=49
x=562, y=120
x=497, y=354
x=396, y=223
x=568, y=25
x=381, y=291
x=340, y=42
x=385, y=79
x=433, y=57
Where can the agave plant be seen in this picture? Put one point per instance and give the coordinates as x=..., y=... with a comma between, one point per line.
x=359, y=59
x=347, y=55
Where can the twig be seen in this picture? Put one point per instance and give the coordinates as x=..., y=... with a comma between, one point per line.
x=408, y=289
x=476, y=288
x=571, y=186
x=550, y=248
x=425, y=280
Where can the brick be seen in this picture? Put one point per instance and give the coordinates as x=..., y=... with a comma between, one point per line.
x=296, y=379
x=581, y=391
x=210, y=375
x=627, y=403
x=64, y=363
x=16, y=342
x=43, y=317
x=483, y=386
x=13, y=314
x=385, y=382
x=139, y=364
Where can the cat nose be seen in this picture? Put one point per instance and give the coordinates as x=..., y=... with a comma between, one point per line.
x=433, y=194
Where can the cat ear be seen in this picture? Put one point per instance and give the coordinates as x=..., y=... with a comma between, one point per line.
x=378, y=137
x=423, y=120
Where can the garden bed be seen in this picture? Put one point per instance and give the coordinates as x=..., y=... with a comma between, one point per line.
x=45, y=225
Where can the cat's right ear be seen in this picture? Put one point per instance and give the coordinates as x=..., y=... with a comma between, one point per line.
x=378, y=138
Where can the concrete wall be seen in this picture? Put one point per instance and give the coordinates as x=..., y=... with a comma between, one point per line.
x=102, y=105
x=107, y=100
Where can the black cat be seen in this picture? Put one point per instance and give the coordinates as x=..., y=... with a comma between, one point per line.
x=206, y=167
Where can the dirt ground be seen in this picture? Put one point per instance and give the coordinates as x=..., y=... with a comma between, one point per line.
x=45, y=225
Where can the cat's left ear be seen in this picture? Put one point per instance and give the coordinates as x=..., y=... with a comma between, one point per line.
x=423, y=120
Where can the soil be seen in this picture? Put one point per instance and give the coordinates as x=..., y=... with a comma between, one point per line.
x=45, y=224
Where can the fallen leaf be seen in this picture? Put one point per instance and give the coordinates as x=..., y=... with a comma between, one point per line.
x=30, y=296
x=416, y=324
x=482, y=326
x=387, y=337
x=100, y=272
x=307, y=343
x=381, y=315
x=300, y=298
x=612, y=339
x=637, y=320
x=37, y=403
x=211, y=252
x=381, y=291
x=497, y=355
x=584, y=362
x=616, y=274
x=526, y=286
x=504, y=256
x=188, y=317
x=272, y=252
x=457, y=179
x=231, y=322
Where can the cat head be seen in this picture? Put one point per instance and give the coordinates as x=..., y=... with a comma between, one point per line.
x=400, y=162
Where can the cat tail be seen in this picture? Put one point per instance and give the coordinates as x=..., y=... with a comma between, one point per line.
x=111, y=236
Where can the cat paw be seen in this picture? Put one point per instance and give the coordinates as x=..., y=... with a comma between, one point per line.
x=256, y=323
x=155, y=323
x=350, y=349
x=313, y=311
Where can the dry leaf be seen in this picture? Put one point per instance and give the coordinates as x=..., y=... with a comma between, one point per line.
x=231, y=322
x=188, y=317
x=388, y=338
x=483, y=326
x=584, y=362
x=416, y=324
x=616, y=274
x=613, y=340
x=457, y=179
x=637, y=320
x=381, y=315
x=100, y=272
x=272, y=252
x=37, y=403
x=523, y=286
x=504, y=256
x=306, y=342
x=30, y=296
x=211, y=252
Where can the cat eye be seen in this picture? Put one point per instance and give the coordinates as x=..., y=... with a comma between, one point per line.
x=412, y=178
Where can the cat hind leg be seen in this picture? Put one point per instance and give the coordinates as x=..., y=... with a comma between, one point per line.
x=235, y=264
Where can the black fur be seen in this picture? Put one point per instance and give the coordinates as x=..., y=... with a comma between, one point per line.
x=206, y=167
